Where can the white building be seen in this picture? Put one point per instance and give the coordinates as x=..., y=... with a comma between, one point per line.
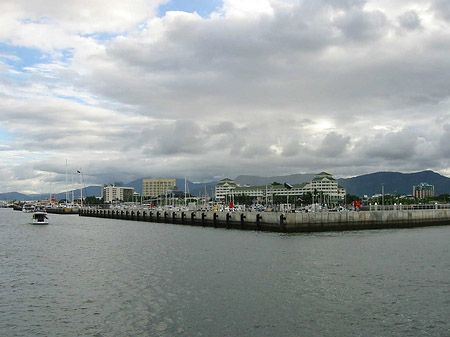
x=224, y=188
x=322, y=186
x=112, y=193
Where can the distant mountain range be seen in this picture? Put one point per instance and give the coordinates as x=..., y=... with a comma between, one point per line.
x=394, y=183
x=368, y=184
x=261, y=181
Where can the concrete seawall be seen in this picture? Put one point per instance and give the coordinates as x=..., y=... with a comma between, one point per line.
x=63, y=210
x=284, y=222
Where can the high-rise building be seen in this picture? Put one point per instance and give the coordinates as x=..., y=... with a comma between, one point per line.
x=423, y=190
x=111, y=193
x=156, y=187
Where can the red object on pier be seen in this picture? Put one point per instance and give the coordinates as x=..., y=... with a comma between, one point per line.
x=231, y=205
x=357, y=204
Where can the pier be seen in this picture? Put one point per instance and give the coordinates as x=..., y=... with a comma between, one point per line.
x=61, y=210
x=284, y=222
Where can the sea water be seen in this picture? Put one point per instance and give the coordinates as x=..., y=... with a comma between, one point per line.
x=83, y=276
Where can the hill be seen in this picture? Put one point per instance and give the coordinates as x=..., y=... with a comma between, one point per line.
x=394, y=182
x=260, y=181
x=13, y=196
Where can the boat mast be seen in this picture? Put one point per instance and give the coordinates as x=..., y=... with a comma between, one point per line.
x=185, y=191
x=50, y=197
x=80, y=171
x=72, y=189
x=67, y=192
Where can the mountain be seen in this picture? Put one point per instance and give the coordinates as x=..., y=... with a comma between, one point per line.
x=87, y=192
x=368, y=184
x=261, y=181
x=13, y=196
x=394, y=182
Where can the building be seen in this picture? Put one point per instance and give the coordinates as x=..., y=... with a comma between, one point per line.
x=112, y=193
x=155, y=187
x=224, y=188
x=423, y=190
x=323, y=187
x=324, y=183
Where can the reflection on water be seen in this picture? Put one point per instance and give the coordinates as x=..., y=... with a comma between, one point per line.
x=102, y=277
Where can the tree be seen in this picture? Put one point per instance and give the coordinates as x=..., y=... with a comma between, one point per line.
x=351, y=198
x=93, y=201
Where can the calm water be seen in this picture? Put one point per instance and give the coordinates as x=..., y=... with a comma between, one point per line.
x=99, y=277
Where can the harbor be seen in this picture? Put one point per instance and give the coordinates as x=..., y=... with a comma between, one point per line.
x=283, y=221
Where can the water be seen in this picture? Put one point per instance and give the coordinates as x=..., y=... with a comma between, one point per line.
x=101, y=277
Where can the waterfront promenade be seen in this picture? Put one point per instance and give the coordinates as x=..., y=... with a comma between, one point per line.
x=286, y=222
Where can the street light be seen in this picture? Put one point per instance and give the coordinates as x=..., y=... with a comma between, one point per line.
x=288, y=188
x=80, y=172
x=382, y=195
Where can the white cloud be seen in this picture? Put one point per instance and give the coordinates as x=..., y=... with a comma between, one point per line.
x=260, y=87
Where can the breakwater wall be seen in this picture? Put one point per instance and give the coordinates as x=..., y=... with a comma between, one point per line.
x=284, y=222
x=63, y=210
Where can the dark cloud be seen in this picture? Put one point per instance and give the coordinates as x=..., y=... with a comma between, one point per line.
x=396, y=146
x=441, y=8
x=360, y=25
x=179, y=137
x=333, y=145
x=410, y=20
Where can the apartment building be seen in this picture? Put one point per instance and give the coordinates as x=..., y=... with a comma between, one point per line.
x=423, y=190
x=154, y=187
x=112, y=193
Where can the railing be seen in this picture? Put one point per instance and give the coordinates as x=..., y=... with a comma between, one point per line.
x=406, y=207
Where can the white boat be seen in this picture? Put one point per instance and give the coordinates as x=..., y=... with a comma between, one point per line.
x=40, y=218
x=28, y=208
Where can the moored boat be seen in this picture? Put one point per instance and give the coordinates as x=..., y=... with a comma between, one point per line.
x=28, y=208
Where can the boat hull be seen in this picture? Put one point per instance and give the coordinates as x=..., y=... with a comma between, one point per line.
x=40, y=222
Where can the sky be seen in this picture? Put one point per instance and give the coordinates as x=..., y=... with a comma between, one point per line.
x=121, y=90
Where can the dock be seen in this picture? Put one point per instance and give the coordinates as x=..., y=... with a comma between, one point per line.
x=284, y=222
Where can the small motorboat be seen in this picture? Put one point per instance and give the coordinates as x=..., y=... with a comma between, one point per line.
x=40, y=218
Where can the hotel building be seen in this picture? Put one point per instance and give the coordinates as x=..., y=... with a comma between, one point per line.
x=155, y=187
x=323, y=184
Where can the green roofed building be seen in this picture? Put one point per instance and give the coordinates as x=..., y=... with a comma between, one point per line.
x=323, y=184
x=423, y=190
x=224, y=188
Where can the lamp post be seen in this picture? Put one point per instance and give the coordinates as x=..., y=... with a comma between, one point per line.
x=80, y=172
x=382, y=195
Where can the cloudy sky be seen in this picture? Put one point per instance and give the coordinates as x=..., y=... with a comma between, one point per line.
x=210, y=89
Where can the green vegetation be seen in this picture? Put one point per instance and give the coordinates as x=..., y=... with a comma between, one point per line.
x=391, y=199
x=93, y=201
